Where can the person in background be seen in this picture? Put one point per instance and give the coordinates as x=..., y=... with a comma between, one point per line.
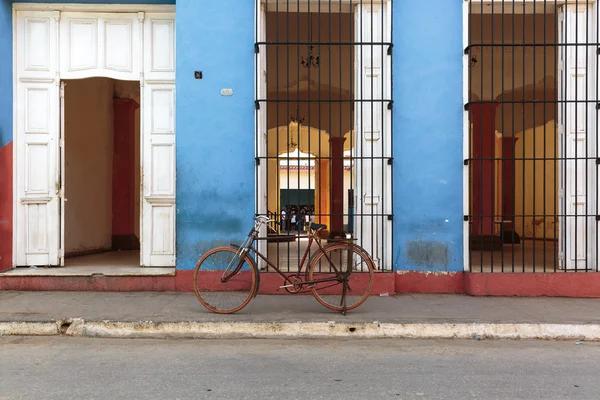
x=293, y=219
x=283, y=219
x=301, y=219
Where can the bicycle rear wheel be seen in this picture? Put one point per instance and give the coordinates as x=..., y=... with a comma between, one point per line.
x=341, y=264
x=222, y=283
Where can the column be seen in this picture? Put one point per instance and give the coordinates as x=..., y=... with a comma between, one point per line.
x=124, y=190
x=322, y=193
x=337, y=185
x=482, y=173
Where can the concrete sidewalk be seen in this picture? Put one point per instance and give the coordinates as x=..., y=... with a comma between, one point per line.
x=165, y=315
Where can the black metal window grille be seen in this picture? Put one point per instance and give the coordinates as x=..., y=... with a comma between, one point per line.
x=323, y=124
x=533, y=125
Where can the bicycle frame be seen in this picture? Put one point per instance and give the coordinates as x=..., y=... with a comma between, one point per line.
x=248, y=245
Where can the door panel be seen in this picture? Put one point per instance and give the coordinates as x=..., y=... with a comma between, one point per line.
x=36, y=162
x=158, y=147
x=95, y=44
x=158, y=142
x=372, y=138
x=261, y=130
x=576, y=117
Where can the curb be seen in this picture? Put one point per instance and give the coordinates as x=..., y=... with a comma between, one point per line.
x=77, y=327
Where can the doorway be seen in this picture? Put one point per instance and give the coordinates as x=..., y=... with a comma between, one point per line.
x=532, y=145
x=101, y=172
x=324, y=126
x=104, y=46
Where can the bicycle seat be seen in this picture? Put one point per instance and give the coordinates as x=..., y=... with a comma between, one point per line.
x=316, y=227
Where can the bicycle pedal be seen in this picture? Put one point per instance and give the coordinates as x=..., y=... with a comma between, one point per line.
x=285, y=286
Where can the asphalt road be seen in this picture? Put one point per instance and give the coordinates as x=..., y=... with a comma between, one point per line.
x=65, y=368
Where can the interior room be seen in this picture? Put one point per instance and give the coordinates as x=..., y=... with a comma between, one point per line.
x=514, y=141
x=310, y=127
x=102, y=173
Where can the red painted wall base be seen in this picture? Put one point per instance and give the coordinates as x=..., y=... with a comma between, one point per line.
x=181, y=282
x=525, y=285
x=6, y=216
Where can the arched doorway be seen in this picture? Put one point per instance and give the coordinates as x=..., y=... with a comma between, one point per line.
x=104, y=42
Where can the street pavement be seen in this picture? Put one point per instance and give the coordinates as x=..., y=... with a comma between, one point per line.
x=160, y=314
x=174, y=307
x=83, y=368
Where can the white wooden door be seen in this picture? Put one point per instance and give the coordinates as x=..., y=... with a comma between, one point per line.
x=100, y=45
x=261, y=126
x=62, y=168
x=576, y=119
x=158, y=142
x=372, y=132
x=36, y=228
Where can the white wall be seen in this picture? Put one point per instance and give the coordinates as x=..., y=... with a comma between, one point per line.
x=88, y=168
x=289, y=179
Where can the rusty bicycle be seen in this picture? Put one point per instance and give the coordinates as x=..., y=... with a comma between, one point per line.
x=339, y=275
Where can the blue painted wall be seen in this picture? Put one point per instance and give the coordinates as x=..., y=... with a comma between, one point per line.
x=215, y=134
x=215, y=204
x=6, y=75
x=428, y=135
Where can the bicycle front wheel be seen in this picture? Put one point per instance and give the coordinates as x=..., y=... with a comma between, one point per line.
x=223, y=282
x=345, y=270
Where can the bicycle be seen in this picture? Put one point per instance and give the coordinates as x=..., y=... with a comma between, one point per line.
x=235, y=278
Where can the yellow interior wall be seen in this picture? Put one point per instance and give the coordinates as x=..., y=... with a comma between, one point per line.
x=498, y=182
x=499, y=75
x=273, y=185
x=530, y=200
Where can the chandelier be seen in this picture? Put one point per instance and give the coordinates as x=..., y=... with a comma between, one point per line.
x=310, y=60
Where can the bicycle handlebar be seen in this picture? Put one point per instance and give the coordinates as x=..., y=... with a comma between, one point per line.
x=261, y=219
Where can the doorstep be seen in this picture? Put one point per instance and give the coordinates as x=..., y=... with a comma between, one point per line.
x=88, y=271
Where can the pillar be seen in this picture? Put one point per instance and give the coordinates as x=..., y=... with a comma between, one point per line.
x=482, y=172
x=322, y=193
x=124, y=188
x=337, y=185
